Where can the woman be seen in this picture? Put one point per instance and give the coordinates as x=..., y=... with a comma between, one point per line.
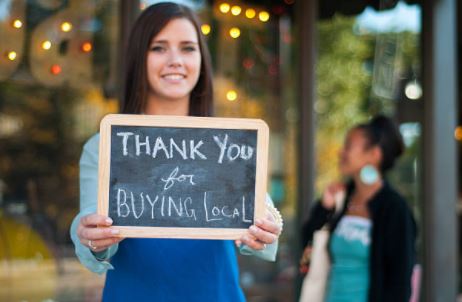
x=168, y=73
x=373, y=235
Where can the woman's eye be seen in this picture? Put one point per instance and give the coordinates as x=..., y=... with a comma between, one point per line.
x=157, y=48
x=189, y=48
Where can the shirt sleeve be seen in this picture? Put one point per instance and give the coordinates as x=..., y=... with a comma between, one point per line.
x=318, y=217
x=95, y=262
x=268, y=253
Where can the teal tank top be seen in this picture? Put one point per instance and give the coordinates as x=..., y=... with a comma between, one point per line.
x=350, y=250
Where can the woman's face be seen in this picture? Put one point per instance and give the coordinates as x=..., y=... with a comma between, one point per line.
x=174, y=61
x=356, y=153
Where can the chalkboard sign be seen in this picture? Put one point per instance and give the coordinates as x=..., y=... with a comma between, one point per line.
x=182, y=177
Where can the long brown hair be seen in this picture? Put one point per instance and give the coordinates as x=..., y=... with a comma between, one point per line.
x=148, y=25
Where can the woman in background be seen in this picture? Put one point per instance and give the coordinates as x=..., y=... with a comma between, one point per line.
x=373, y=235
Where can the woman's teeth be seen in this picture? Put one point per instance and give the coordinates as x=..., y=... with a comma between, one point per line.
x=173, y=77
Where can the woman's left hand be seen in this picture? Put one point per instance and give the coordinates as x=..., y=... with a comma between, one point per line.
x=264, y=231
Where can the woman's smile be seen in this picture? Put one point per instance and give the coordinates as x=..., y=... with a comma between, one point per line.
x=173, y=77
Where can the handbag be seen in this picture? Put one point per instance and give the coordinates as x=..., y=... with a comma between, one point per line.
x=315, y=282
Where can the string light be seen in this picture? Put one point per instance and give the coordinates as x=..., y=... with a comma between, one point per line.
x=86, y=47
x=263, y=16
x=46, y=45
x=205, y=28
x=250, y=13
x=66, y=26
x=231, y=95
x=224, y=8
x=55, y=69
x=11, y=55
x=234, y=32
x=236, y=10
x=413, y=91
x=17, y=23
x=458, y=133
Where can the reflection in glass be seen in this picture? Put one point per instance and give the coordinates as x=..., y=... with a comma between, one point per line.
x=56, y=82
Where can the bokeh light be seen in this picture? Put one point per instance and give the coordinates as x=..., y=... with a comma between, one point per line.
x=12, y=55
x=234, y=32
x=55, y=69
x=66, y=26
x=263, y=16
x=224, y=8
x=458, y=133
x=236, y=10
x=231, y=95
x=17, y=23
x=46, y=45
x=86, y=47
x=250, y=13
x=205, y=28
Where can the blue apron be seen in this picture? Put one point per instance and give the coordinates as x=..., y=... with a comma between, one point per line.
x=164, y=270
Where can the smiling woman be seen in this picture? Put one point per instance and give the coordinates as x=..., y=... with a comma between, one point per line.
x=168, y=72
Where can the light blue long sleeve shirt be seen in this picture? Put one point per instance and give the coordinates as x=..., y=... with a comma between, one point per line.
x=88, y=205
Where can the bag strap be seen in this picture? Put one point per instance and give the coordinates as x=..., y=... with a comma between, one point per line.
x=339, y=199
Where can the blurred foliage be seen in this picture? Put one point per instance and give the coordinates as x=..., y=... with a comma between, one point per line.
x=342, y=87
x=344, y=74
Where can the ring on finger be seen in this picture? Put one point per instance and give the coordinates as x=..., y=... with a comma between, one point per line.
x=90, y=244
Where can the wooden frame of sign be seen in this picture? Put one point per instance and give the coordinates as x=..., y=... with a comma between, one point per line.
x=135, y=203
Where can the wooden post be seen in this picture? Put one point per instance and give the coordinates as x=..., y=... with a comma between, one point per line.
x=439, y=158
x=306, y=40
x=128, y=12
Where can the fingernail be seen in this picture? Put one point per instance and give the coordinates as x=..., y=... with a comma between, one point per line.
x=115, y=231
x=108, y=220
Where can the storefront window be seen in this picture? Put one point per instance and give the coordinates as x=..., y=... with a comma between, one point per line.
x=58, y=73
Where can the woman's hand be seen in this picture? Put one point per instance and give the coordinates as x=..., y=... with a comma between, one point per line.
x=264, y=231
x=95, y=232
x=332, y=192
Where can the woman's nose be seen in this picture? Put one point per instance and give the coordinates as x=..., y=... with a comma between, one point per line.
x=175, y=59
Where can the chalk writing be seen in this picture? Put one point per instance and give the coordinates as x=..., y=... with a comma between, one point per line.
x=170, y=181
x=168, y=151
x=143, y=205
x=182, y=177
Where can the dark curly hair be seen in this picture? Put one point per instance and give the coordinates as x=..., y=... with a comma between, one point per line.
x=381, y=131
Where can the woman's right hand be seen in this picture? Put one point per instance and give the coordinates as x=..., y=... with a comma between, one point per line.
x=330, y=194
x=95, y=232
